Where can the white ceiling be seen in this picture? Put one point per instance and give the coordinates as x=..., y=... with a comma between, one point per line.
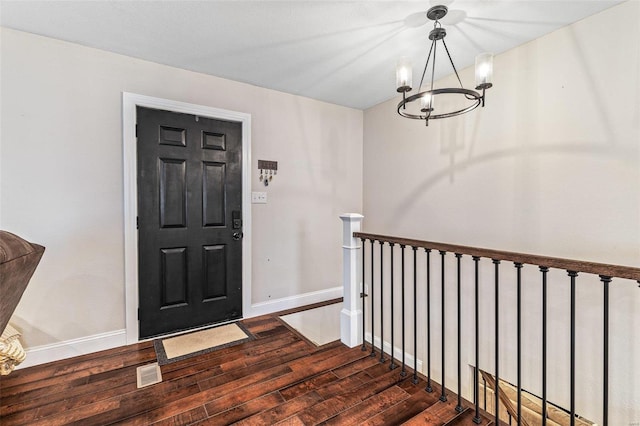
x=343, y=52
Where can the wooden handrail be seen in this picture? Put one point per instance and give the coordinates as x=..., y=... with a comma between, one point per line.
x=603, y=269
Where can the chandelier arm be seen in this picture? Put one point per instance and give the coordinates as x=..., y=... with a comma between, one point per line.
x=426, y=65
x=455, y=70
x=433, y=66
x=452, y=64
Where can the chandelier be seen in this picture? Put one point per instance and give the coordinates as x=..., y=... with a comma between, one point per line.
x=423, y=105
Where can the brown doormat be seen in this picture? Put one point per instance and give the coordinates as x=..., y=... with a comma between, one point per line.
x=188, y=345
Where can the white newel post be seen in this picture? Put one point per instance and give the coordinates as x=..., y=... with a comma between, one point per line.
x=351, y=314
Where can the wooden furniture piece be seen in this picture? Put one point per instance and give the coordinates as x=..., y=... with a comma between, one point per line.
x=18, y=261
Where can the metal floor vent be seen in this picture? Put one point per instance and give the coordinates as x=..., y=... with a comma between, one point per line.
x=148, y=375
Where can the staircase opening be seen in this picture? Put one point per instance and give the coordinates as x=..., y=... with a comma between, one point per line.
x=531, y=404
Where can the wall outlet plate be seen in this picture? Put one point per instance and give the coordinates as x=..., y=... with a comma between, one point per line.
x=258, y=198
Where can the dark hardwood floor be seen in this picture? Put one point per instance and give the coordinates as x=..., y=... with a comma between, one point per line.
x=279, y=378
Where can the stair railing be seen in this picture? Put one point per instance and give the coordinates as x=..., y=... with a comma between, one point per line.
x=375, y=290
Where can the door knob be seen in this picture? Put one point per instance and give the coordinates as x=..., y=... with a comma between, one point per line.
x=237, y=235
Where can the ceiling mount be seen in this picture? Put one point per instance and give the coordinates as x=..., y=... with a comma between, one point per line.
x=421, y=106
x=437, y=12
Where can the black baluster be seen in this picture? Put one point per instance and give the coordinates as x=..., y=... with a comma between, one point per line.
x=476, y=398
x=544, y=271
x=519, y=338
x=459, y=406
x=364, y=346
x=415, y=318
x=382, y=358
x=403, y=371
x=373, y=327
x=497, y=338
x=573, y=275
x=443, y=395
x=428, y=388
x=392, y=364
x=605, y=365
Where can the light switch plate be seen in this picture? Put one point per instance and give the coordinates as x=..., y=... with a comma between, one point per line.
x=258, y=198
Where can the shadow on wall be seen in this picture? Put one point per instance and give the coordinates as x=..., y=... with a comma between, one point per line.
x=77, y=291
x=625, y=155
x=31, y=331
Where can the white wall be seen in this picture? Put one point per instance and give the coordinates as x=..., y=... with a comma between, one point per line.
x=62, y=179
x=550, y=166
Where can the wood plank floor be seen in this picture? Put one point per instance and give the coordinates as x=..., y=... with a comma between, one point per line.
x=279, y=378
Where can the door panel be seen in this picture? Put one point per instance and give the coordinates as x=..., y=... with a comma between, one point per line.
x=173, y=193
x=189, y=189
x=174, y=276
x=213, y=141
x=213, y=194
x=215, y=271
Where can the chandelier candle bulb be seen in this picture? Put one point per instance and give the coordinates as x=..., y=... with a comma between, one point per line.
x=426, y=103
x=484, y=70
x=404, y=73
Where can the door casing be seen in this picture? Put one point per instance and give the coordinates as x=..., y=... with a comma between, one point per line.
x=129, y=103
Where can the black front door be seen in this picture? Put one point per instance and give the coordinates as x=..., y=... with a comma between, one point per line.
x=189, y=221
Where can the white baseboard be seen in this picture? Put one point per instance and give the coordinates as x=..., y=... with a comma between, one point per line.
x=74, y=347
x=291, y=302
x=98, y=342
x=397, y=352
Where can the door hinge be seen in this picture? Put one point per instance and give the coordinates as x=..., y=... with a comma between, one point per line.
x=137, y=222
x=136, y=130
x=138, y=313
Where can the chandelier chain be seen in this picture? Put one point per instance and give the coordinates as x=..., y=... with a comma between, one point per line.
x=433, y=42
x=433, y=66
x=455, y=69
x=452, y=64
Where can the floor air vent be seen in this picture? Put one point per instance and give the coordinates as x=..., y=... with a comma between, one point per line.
x=148, y=375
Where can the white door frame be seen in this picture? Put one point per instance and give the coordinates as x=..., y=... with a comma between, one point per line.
x=129, y=103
